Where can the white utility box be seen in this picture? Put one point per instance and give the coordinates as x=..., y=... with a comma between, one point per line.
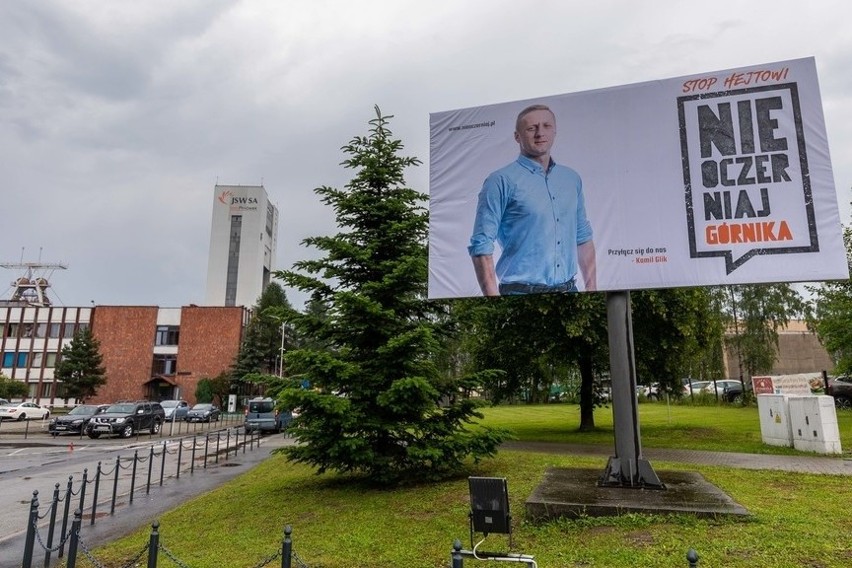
x=775, y=426
x=814, y=424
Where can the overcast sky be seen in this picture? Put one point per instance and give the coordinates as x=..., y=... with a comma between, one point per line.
x=118, y=118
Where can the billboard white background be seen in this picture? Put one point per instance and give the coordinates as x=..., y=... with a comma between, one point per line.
x=626, y=144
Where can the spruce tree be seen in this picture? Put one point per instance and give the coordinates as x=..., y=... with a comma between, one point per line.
x=377, y=405
x=260, y=350
x=81, y=366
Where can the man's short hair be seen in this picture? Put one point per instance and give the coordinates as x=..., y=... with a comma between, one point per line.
x=528, y=110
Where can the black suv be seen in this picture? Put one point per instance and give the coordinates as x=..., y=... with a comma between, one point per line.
x=126, y=418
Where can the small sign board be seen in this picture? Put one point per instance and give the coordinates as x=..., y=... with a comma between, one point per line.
x=799, y=384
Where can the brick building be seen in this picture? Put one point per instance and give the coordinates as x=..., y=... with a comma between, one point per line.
x=799, y=351
x=148, y=352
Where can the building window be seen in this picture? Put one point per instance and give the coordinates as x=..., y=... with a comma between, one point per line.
x=46, y=390
x=27, y=329
x=68, y=331
x=36, y=361
x=41, y=330
x=12, y=330
x=8, y=359
x=164, y=365
x=55, y=329
x=167, y=335
x=233, y=260
x=50, y=360
x=22, y=360
x=270, y=218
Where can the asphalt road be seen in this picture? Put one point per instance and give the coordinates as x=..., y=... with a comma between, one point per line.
x=40, y=462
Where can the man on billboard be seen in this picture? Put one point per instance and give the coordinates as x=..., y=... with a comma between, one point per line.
x=535, y=210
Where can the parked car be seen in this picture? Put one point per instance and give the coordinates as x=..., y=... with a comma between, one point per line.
x=126, y=418
x=23, y=411
x=203, y=412
x=175, y=409
x=262, y=416
x=841, y=389
x=730, y=390
x=649, y=392
x=76, y=421
x=692, y=387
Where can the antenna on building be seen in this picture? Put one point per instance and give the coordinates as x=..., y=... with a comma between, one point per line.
x=30, y=288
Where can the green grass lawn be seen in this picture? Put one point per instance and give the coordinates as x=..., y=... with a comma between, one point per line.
x=725, y=428
x=797, y=519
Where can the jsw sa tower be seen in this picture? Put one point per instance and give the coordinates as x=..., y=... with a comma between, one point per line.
x=243, y=237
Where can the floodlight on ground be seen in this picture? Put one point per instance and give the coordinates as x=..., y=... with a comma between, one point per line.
x=489, y=507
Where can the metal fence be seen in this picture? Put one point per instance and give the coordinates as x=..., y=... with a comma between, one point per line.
x=151, y=551
x=171, y=427
x=126, y=476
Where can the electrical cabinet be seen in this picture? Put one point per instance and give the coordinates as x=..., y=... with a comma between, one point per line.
x=813, y=421
x=775, y=427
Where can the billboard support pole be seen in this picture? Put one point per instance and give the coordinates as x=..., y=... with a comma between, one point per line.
x=627, y=468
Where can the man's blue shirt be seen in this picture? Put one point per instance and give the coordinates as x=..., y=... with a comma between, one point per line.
x=538, y=217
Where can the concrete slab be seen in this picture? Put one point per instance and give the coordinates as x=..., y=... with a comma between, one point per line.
x=574, y=493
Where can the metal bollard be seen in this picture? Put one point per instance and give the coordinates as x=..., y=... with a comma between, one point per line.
x=75, y=537
x=287, y=548
x=153, y=544
x=115, y=485
x=95, y=497
x=206, y=446
x=53, y=506
x=192, y=461
x=31, y=529
x=180, y=456
x=692, y=558
x=163, y=463
x=65, y=515
x=83, y=489
x=458, y=559
x=133, y=475
x=150, y=466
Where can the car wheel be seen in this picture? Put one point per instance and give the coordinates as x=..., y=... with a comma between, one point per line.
x=128, y=431
x=843, y=402
x=94, y=435
x=155, y=427
x=22, y=417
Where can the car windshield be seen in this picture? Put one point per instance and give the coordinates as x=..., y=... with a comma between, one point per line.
x=261, y=406
x=84, y=409
x=122, y=408
x=202, y=407
x=169, y=403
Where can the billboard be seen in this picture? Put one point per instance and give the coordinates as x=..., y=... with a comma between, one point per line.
x=711, y=179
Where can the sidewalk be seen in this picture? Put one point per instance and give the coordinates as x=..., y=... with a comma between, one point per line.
x=799, y=464
x=148, y=508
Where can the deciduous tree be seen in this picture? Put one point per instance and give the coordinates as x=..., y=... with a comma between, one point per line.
x=10, y=388
x=832, y=315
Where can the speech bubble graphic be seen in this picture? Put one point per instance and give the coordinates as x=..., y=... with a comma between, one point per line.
x=745, y=171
